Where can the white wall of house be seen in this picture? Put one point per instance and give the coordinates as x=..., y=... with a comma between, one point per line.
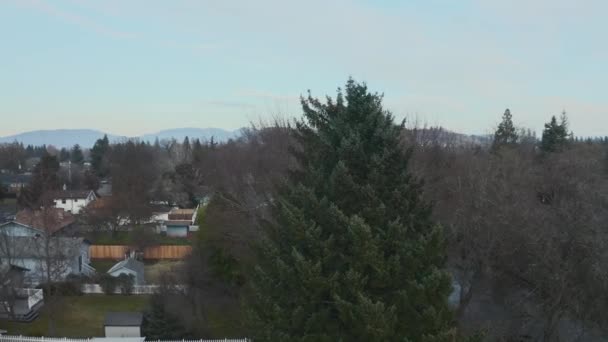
x=72, y=205
x=37, y=266
x=37, y=269
x=177, y=231
x=112, y=331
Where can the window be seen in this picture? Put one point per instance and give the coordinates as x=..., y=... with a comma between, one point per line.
x=80, y=263
x=63, y=201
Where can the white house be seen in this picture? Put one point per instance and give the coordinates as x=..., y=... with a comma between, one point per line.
x=35, y=251
x=122, y=324
x=179, y=222
x=73, y=201
x=131, y=267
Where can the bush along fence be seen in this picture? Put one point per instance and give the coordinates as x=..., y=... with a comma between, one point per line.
x=135, y=290
x=8, y=338
x=116, y=252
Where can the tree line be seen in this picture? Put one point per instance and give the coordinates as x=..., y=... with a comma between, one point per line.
x=348, y=225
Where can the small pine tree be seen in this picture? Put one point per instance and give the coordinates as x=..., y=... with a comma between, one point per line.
x=352, y=253
x=506, y=134
x=158, y=324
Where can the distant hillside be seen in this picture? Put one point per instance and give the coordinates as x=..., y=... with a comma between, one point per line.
x=58, y=137
x=179, y=134
x=440, y=135
x=87, y=137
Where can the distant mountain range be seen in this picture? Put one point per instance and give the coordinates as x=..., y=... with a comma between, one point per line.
x=87, y=137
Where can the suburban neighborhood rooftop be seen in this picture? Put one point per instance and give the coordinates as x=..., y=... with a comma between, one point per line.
x=123, y=319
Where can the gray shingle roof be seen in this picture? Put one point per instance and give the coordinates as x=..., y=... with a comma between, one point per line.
x=131, y=264
x=70, y=194
x=36, y=247
x=123, y=319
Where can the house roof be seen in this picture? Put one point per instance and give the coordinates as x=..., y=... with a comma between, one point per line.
x=131, y=264
x=101, y=203
x=123, y=319
x=181, y=214
x=50, y=220
x=36, y=247
x=178, y=223
x=105, y=189
x=10, y=178
x=70, y=194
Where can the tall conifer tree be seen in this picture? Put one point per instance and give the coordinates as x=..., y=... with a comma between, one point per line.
x=98, y=153
x=555, y=135
x=352, y=253
x=506, y=134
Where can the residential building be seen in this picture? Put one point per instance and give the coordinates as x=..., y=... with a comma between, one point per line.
x=41, y=253
x=179, y=222
x=131, y=267
x=14, y=183
x=53, y=221
x=72, y=201
x=122, y=324
x=18, y=303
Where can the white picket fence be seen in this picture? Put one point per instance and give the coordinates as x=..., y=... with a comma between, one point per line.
x=137, y=289
x=8, y=338
x=224, y=340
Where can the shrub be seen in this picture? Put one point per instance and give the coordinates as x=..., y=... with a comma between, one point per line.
x=126, y=283
x=108, y=284
x=70, y=287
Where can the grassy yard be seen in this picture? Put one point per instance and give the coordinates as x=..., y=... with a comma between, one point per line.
x=8, y=205
x=80, y=316
x=154, y=270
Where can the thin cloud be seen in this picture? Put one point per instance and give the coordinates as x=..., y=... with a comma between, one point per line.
x=73, y=18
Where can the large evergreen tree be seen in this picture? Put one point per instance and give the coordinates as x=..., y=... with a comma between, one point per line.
x=64, y=155
x=506, y=134
x=76, y=155
x=555, y=135
x=352, y=253
x=45, y=178
x=98, y=155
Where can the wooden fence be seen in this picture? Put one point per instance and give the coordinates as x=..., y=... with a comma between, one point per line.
x=117, y=252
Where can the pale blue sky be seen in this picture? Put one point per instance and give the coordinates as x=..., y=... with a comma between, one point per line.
x=136, y=66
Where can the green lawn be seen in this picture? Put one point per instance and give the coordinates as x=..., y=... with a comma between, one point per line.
x=153, y=271
x=8, y=205
x=80, y=316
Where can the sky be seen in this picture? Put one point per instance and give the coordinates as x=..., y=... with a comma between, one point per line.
x=130, y=67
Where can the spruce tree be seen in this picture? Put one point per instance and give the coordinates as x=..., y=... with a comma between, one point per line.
x=64, y=155
x=158, y=324
x=506, y=134
x=555, y=135
x=351, y=253
x=98, y=153
x=76, y=155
